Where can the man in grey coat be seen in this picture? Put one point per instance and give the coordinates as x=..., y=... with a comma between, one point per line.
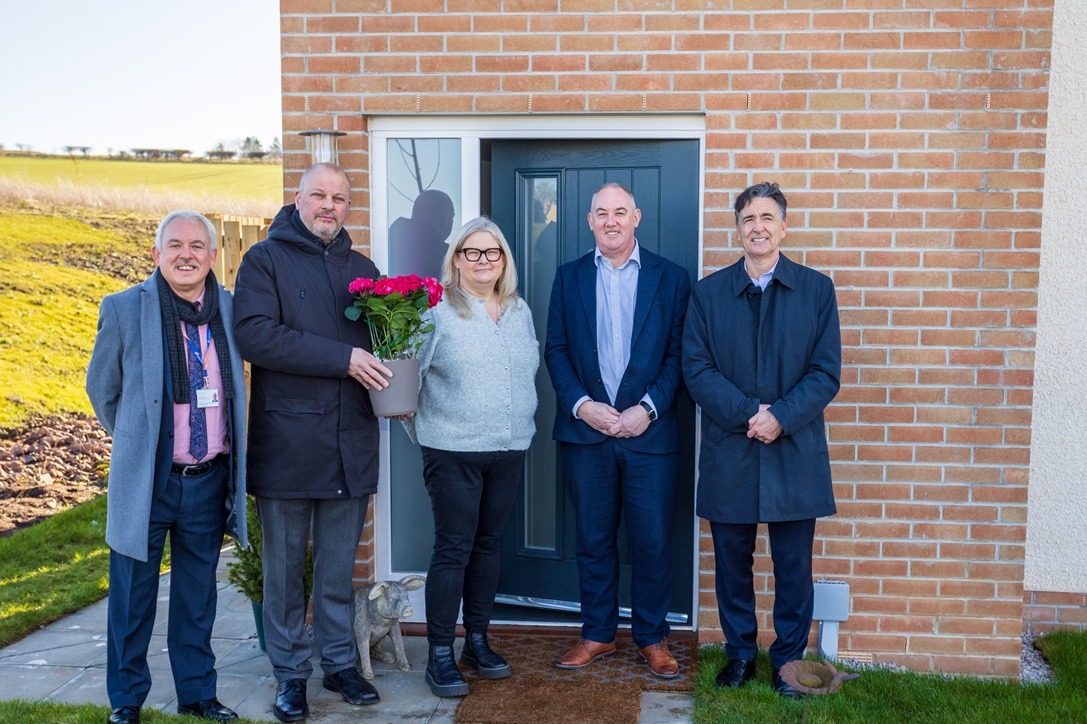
x=167, y=383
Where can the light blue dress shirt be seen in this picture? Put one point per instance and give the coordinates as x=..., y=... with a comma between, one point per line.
x=764, y=279
x=616, y=295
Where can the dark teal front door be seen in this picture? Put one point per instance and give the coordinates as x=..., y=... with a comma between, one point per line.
x=540, y=197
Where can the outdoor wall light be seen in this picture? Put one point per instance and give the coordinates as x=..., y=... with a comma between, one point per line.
x=323, y=145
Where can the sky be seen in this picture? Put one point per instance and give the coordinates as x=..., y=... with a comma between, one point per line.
x=123, y=74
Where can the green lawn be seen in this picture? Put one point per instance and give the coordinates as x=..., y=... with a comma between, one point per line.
x=880, y=696
x=50, y=289
x=52, y=569
x=23, y=712
x=238, y=180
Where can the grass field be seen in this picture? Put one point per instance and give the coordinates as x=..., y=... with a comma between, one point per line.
x=145, y=187
x=52, y=278
x=253, y=181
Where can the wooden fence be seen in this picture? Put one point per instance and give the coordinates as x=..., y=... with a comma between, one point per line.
x=236, y=235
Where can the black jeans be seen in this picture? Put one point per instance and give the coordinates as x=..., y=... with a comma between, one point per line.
x=471, y=494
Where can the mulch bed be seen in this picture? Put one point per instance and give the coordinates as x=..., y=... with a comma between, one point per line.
x=50, y=464
x=605, y=692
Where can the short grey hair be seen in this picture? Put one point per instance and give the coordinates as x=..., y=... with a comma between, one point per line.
x=192, y=216
x=617, y=186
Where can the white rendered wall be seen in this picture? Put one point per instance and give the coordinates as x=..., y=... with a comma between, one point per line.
x=1056, y=556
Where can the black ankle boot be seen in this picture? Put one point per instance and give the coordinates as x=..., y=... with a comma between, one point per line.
x=478, y=654
x=442, y=674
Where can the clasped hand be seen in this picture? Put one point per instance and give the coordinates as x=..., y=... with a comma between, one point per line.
x=763, y=426
x=604, y=418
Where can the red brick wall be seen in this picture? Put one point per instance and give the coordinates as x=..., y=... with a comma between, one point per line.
x=910, y=138
x=1044, y=612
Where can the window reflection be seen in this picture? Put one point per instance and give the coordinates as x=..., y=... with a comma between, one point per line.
x=424, y=195
x=539, y=223
x=423, y=178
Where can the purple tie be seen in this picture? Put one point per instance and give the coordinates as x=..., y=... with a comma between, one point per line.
x=198, y=425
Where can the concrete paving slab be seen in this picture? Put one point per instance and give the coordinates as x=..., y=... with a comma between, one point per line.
x=663, y=707
x=245, y=659
x=57, y=645
x=66, y=662
x=88, y=687
x=34, y=683
x=257, y=705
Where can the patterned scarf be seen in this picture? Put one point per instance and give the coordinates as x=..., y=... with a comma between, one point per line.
x=174, y=311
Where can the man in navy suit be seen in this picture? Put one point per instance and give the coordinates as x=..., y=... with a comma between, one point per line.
x=166, y=381
x=762, y=356
x=613, y=351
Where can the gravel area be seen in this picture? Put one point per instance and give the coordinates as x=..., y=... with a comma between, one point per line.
x=1033, y=668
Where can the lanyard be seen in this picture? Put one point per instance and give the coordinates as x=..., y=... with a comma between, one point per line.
x=195, y=349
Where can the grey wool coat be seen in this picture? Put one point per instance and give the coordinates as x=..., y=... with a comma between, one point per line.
x=126, y=386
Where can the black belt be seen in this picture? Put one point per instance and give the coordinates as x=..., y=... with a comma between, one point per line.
x=187, y=471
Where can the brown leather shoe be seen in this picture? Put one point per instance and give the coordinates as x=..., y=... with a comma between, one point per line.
x=584, y=653
x=660, y=660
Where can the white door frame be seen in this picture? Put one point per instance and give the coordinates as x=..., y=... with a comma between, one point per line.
x=471, y=130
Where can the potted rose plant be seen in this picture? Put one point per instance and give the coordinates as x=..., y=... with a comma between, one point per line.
x=393, y=308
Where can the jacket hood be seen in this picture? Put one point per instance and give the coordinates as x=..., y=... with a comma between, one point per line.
x=283, y=230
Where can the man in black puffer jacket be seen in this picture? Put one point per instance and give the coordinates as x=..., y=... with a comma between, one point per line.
x=313, y=437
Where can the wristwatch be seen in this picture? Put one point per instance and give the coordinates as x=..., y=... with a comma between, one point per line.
x=648, y=410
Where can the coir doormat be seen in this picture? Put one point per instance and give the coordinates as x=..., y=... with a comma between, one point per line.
x=607, y=691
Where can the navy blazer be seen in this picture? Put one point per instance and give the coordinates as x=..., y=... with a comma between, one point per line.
x=795, y=367
x=654, y=366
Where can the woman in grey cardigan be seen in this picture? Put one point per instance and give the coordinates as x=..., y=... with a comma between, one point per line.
x=479, y=366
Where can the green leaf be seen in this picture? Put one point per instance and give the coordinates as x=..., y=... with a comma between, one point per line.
x=353, y=313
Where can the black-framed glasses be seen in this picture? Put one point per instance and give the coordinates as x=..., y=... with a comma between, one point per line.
x=474, y=254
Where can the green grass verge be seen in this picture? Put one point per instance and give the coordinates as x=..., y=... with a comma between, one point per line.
x=883, y=696
x=252, y=181
x=49, y=296
x=53, y=568
x=28, y=712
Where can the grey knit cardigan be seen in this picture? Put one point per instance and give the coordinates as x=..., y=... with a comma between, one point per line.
x=478, y=380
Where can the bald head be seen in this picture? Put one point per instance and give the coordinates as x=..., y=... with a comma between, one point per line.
x=322, y=200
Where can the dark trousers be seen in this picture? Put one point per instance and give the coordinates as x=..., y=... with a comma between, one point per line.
x=471, y=494
x=192, y=511
x=336, y=526
x=794, y=594
x=605, y=481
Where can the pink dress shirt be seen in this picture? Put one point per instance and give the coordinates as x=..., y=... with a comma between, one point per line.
x=214, y=416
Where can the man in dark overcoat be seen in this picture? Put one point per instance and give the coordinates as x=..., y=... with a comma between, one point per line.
x=313, y=437
x=762, y=357
x=167, y=382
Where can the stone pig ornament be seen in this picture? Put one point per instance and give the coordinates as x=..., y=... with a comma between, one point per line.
x=378, y=610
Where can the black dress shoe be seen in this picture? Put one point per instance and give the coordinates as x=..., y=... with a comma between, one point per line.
x=736, y=674
x=478, y=654
x=783, y=689
x=442, y=675
x=352, y=687
x=211, y=709
x=125, y=715
x=291, y=701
